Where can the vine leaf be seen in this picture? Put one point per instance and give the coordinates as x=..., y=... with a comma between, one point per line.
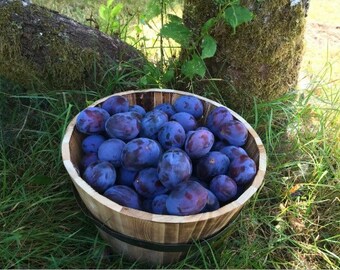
x=209, y=46
x=236, y=15
x=177, y=31
x=193, y=67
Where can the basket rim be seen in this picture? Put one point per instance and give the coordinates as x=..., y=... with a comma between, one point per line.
x=134, y=213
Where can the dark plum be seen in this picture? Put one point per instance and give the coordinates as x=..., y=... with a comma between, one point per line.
x=212, y=164
x=189, y=104
x=187, y=198
x=171, y=134
x=234, y=132
x=198, y=143
x=88, y=158
x=217, y=117
x=92, y=120
x=187, y=120
x=91, y=143
x=212, y=203
x=116, y=104
x=242, y=169
x=167, y=108
x=174, y=167
x=152, y=122
x=124, y=196
x=158, y=205
x=223, y=187
x=123, y=126
x=141, y=153
x=126, y=177
x=233, y=152
x=147, y=205
x=218, y=145
x=147, y=183
x=137, y=108
x=100, y=175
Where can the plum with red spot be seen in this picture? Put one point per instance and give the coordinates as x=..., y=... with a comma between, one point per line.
x=212, y=164
x=242, y=169
x=189, y=104
x=124, y=126
x=92, y=120
x=198, y=143
x=158, y=204
x=171, y=135
x=187, y=121
x=100, y=175
x=116, y=104
x=187, y=198
x=147, y=183
x=217, y=117
x=152, y=123
x=233, y=152
x=111, y=151
x=223, y=187
x=234, y=132
x=124, y=196
x=174, y=167
x=141, y=153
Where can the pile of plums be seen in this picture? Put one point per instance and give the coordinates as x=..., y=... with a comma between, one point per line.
x=162, y=161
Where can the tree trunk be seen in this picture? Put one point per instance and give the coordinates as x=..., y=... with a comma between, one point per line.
x=41, y=48
x=262, y=58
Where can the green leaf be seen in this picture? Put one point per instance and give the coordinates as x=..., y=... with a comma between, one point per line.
x=41, y=180
x=209, y=46
x=169, y=75
x=116, y=10
x=194, y=67
x=153, y=9
x=178, y=32
x=175, y=19
x=236, y=15
x=208, y=25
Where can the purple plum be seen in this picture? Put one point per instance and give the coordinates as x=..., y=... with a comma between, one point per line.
x=233, y=152
x=91, y=143
x=125, y=177
x=167, y=108
x=100, y=175
x=198, y=143
x=171, y=134
x=158, y=204
x=111, y=151
x=123, y=126
x=223, y=187
x=124, y=196
x=174, y=167
x=116, y=104
x=152, y=122
x=187, y=198
x=242, y=169
x=217, y=117
x=212, y=164
x=234, y=132
x=187, y=120
x=147, y=183
x=137, y=108
x=189, y=104
x=92, y=120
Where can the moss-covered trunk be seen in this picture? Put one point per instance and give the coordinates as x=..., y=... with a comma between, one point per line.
x=262, y=58
x=41, y=48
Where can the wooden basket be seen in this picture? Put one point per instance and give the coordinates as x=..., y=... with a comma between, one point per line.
x=146, y=227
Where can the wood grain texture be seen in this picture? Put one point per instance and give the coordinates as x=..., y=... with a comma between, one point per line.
x=148, y=226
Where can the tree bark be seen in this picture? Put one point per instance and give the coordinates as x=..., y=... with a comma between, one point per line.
x=42, y=48
x=262, y=58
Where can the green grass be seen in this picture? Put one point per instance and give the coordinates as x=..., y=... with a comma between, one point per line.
x=292, y=222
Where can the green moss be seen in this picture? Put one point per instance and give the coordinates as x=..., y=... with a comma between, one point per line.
x=262, y=58
x=61, y=65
